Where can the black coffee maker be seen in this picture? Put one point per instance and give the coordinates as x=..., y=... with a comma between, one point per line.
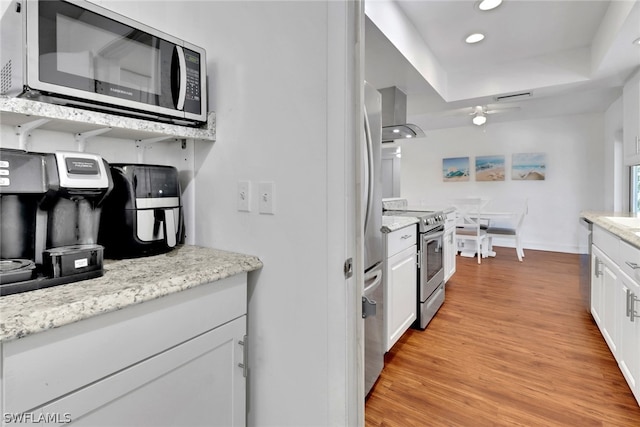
x=50, y=213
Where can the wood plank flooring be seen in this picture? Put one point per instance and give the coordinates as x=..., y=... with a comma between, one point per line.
x=511, y=346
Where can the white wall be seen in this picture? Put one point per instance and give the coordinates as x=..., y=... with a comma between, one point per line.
x=281, y=80
x=574, y=174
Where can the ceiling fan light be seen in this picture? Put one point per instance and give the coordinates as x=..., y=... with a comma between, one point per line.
x=474, y=38
x=479, y=119
x=489, y=4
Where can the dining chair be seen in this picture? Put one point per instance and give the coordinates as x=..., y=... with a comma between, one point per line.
x=470, y=226
x=509, y=226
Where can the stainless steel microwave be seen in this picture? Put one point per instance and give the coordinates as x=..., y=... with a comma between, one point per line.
x=76, y=53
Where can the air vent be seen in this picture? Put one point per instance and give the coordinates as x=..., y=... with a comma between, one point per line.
x=5, y=78
x=514, y=96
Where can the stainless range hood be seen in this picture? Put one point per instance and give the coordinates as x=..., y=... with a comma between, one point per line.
x=394, y=116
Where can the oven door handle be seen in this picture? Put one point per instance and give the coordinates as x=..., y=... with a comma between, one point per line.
x=428, y=237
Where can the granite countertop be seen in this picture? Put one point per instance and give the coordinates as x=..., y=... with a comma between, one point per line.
x=393, y=223
x=125, y=282
x=625, y=225
x=17, y=111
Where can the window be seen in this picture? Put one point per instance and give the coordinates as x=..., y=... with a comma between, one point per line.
x=634, y=188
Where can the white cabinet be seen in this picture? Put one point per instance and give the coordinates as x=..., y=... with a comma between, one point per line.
x=196, y=383
x=631, y=120
x=400, y=283
x=628, y=301
x=615, y=301
x=449, y=246
x=629, y=332
x=176, y=360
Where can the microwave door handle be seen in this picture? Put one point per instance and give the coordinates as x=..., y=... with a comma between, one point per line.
x=182, y=70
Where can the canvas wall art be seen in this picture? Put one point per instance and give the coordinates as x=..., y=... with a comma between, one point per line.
x=490, y=168
x=528, y=166
x=455, y=169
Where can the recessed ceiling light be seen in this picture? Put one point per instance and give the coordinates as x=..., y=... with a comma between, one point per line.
x=474, y=38
x=489, y=4
x=637, y=41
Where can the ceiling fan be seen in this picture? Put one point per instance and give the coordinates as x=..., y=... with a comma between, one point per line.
x=479, y=112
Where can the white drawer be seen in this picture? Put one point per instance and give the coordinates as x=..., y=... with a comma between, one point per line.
x=630, y=260
x=401, y=239
x=607, y=242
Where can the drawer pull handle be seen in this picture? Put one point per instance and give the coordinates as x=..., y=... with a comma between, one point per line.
x=631, y=305
x=245, y=356
x=406, y=236
x=633, y=265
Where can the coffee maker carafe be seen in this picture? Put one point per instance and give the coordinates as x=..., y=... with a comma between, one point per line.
x=50, y=210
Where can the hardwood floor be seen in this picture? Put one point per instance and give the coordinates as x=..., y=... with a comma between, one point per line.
x=511, y=346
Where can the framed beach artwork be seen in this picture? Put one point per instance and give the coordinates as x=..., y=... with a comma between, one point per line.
x=455, y=169
x=528, y=166
x=490, y=168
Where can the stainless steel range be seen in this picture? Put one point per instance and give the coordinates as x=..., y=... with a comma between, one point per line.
x=430, y=262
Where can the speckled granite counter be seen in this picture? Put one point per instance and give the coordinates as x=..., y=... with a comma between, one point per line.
x=18, y=111
x=626, y=231
x=393, y=223
x=125, y=282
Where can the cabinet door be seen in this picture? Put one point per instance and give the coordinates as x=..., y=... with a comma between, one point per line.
x=402, y=299
x=198, y=382
x=596, y=285
x=604, y=286
x=449, y=253
x=629, y=332
x=631, y=120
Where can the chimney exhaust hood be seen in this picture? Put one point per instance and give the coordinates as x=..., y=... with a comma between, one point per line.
x=394, y=116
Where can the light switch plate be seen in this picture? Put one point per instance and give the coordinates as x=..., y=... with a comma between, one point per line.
x=244, y=196
x=266, y=196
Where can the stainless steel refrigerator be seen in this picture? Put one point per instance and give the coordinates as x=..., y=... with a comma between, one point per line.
x=373, y=299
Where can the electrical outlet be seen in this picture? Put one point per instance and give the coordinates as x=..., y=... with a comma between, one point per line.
x=244, y=196
x=266, y=194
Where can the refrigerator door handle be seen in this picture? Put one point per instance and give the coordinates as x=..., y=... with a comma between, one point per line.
x=371, y=283
x=369, y=169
